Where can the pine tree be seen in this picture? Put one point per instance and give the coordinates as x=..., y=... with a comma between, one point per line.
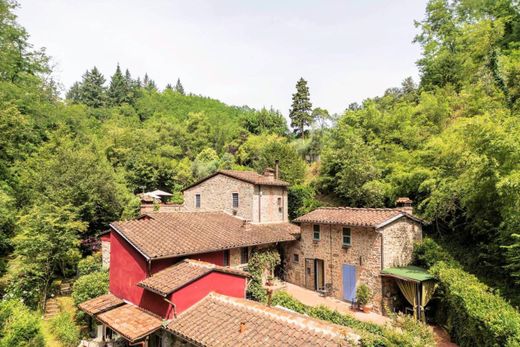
x=92, y=91
x=301, y=108
x=118, y=90
x=74, y=93
x=178, y=87
x=148, y=83
x=168, y=87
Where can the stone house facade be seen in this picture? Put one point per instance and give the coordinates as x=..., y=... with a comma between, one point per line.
x=245, y=194
x=341, y=248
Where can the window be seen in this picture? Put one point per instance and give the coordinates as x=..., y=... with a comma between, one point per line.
x=244, y=255
x=296, y=258
x=347, y=237
x=280, y=208
x=235, y=199
x=197, y=200
x=226, y=257
x=316, y=232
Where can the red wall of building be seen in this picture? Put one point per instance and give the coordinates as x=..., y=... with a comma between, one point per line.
x=127, y=268
x=105, y=237
x=190, y=294
x=216, y=258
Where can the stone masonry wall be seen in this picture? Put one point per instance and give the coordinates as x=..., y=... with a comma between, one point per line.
x=364, y=254
x=266, y=199
x=398, y=241
x=105, y=253
x=216, y=195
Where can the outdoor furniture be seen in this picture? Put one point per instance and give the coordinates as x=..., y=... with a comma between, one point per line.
x=417, y=286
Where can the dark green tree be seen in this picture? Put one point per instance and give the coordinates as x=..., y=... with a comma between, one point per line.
x=168, y=87
x=301, y=108
x=119, y=88
x=178, y=87
x=148, y=83
x=91, y=91
x=265, y=121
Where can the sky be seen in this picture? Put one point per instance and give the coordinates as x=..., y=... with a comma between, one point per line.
x=240, y=52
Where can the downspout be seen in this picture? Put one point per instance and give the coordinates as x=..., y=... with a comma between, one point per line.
x=331, y=262
x=173, y=306
x=259, y=204
x=149, y=268
x=382, y=253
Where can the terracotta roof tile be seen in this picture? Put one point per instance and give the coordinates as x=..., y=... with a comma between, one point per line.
x=246, y=176
x=100, y=304
x=216, y=321
x=130, y=321
x=171, y=234
x=176, y=276
x=366, y=217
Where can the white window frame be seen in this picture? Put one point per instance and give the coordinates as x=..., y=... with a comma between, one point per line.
x=314, y=231
x=349, y=237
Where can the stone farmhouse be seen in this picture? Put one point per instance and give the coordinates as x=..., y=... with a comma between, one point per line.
x=341, y=248
x=177, y=272
x=176, y=277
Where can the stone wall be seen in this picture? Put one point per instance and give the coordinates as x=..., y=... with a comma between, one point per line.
x=399, y=238
x=364, y=254
x=105, y=253
x=216, y=195
x=272, y=202
x=259, y=204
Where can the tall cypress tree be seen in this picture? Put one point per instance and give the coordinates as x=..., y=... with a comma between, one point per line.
x=178, y=87
x=118, y=89
x=301, y=108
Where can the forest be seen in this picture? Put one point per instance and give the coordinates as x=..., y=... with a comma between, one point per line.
x=71, y=163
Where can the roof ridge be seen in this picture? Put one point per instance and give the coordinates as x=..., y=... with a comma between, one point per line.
x=289, y=317
x=348, y=208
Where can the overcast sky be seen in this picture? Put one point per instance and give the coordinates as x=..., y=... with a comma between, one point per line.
x=238, y=51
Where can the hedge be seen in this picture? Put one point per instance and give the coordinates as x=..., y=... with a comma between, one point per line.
x=404, y=330
x=475, y=316
x=90, y=286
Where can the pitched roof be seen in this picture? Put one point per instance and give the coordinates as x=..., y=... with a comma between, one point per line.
x=100, y=304
x=219, y=320
x=176, y=276
x=246, y=176
x=172, y=234
x=364, y=217
x=130, y=321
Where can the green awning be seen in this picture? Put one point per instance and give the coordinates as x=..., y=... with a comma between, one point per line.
x=408, y=273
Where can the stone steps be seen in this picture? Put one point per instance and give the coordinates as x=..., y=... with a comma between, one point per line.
x=52, y=308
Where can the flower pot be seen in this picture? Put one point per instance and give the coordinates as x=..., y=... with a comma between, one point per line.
x=367, y=308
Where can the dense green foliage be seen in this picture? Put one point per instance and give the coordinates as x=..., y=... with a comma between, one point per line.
x=19, y=326
x=475, y=316
x=89, y=286
x=262, y=262
x=473, y=313
x=89, y=264
x=403, y=331
x=65, y=329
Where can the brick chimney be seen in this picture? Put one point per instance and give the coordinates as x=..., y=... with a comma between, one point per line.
x=269, y=172
x=404, y=204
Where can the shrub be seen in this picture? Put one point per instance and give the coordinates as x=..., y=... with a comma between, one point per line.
x=363, y=295
x=19, y=326
x=428, y=253
x=65, y=330
x=89, y=264
x=261, y=261
x=90, y=286
x=475, y=315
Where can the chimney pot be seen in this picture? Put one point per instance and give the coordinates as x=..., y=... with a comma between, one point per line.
x=269, y=172
x=404, y=204
x=276, y=169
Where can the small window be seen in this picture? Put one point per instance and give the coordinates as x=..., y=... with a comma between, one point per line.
x=280, y=202
x=226, y=257
x=244, y=255
x=197, y=200
x=316, y=232
x=296, y=258
x=235, y=199
x=347, y=237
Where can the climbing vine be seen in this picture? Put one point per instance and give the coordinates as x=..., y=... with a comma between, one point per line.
x=261, y=260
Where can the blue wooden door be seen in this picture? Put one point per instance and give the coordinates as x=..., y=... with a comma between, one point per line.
x=349, y=282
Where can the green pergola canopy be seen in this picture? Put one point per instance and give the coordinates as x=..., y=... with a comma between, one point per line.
x=408, y=273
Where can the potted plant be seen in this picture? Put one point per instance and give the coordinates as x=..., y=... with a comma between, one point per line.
x=363, y=296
